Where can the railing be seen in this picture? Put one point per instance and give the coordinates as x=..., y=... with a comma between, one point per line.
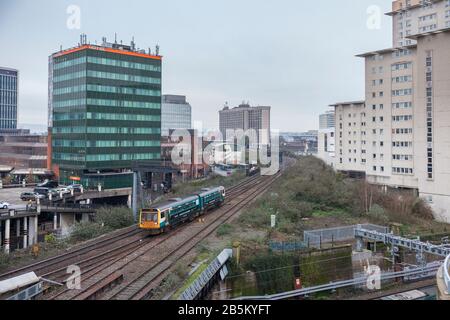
x=316, y=238
x=218, y=265
x=446, y=273
x=420, y=272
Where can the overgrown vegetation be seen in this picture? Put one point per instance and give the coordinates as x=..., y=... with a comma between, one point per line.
x=313, y=190
x=106, y=220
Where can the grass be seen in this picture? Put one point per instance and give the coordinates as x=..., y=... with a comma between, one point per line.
x=190, y=280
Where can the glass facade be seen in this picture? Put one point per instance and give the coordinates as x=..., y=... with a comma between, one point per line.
x=8, y=98
x=106, y=110
x=176, y=114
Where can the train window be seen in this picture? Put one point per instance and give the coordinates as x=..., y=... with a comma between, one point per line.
x=152, y=217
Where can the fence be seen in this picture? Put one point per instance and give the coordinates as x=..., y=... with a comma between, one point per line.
x=317, y=238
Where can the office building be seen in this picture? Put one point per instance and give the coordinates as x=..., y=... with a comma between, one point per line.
x=8, y=99
x=105, y=107
x=406, y=127
x=176, y=113
x=245, y=117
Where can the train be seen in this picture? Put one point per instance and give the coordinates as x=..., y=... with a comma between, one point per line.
x=170, y=214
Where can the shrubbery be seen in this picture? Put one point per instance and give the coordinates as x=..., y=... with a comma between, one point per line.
x=106, y=220
x=311, y=187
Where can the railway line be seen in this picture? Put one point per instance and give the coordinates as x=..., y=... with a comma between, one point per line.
x=142, y=269
x=118, y=253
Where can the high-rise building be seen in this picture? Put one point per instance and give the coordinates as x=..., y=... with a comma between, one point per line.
x=411, y=17
x=407, y=115
x=327, y=120
x=105, y=106
x=245, y=117
x=176, y=113
x=8, y=98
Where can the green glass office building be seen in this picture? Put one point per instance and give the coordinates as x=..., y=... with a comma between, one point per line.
x=104, y=112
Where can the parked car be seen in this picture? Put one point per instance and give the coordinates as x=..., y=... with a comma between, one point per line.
x=75, y=187
x=42, y=190
x=27, y=196
x=62, y=190
x=48, y=184
x=4, y=205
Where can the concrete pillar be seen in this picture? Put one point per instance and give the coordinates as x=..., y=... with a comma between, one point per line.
x=18, y=232
x=25, y=232
x=82, y=189
x=85, y=217
x=7, y=234
x=1, y=183
x=129, y=201
x=359, y=244
x=36, y=227
x=1, y=232
x=67, y=221
x=55, y=221
x=32, y=235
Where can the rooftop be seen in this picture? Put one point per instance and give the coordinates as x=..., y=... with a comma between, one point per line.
x=383, y=51
x=348, y=103
x=113, y=47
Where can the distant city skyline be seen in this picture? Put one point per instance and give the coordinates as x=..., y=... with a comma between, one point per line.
x=284, y=55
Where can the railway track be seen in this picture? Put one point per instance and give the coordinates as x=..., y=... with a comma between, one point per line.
x=130, y=257
x=101, y=251
x=142, y=269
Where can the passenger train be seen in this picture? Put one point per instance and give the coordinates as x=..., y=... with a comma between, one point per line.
x=170, y=214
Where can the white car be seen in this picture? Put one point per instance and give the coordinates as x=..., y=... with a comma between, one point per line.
x=62, y=190
x=4, y=205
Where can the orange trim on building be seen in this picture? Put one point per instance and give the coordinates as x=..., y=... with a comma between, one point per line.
x=98, y=48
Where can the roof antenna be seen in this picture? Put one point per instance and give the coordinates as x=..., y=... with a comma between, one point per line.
x=157, y=50
x=115, y=37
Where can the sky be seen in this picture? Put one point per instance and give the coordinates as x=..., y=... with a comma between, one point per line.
x=293, y=55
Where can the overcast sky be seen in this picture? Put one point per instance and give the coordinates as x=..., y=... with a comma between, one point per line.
x=294, y=55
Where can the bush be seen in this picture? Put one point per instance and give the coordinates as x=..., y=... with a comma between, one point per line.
x=114, y=217
x=87, y=230
x=377, y=212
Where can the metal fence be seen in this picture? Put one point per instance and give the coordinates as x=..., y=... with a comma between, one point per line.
x=317, y=238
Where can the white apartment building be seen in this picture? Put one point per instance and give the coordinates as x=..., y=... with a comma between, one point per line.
x=351, y=133
x=326, y=146
x=406, y=119
x=411, y=17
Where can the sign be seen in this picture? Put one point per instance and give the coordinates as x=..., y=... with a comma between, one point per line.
x=273, y=221
x=298, y=284
x=75, y=178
